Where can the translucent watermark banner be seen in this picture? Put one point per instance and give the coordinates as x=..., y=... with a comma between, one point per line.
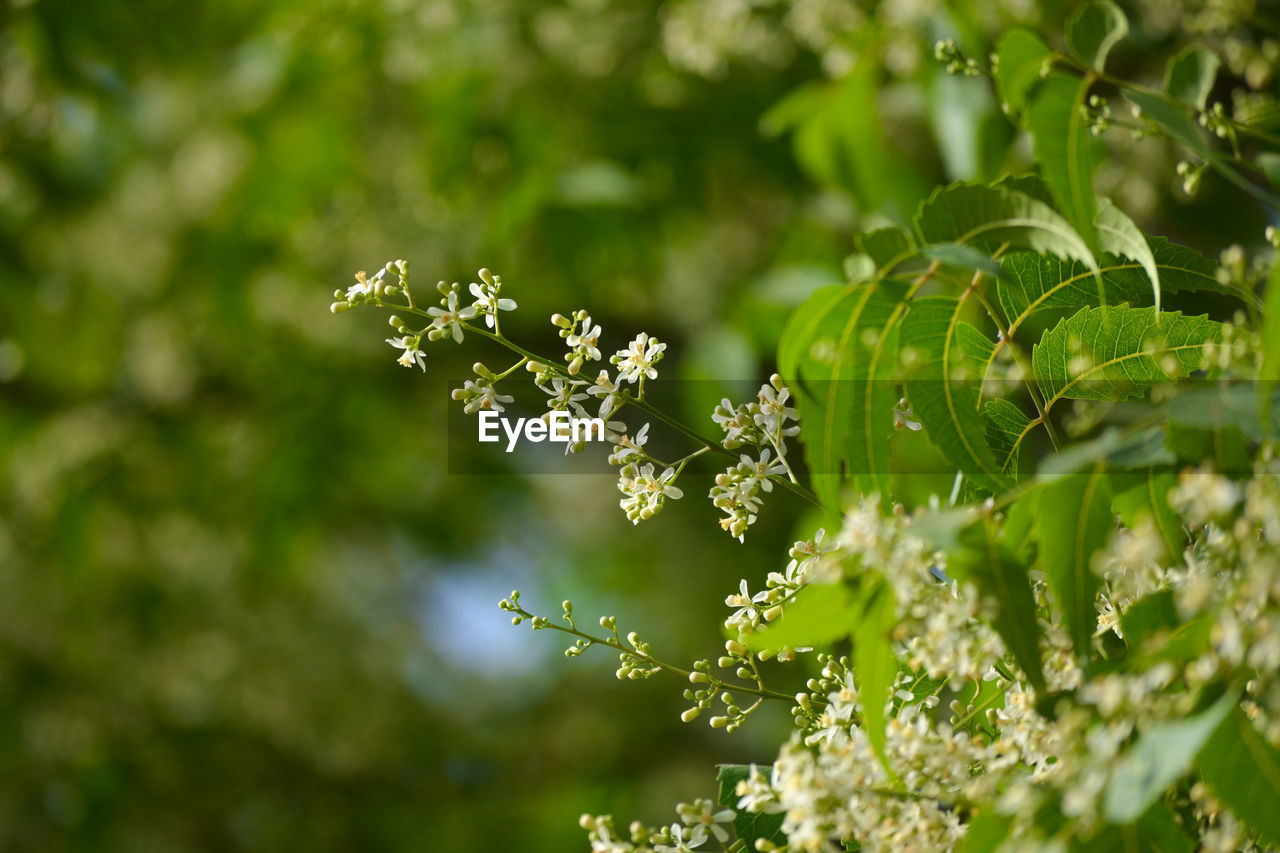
x=1193, y=421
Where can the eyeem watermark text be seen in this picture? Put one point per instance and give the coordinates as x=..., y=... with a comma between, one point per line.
x=558, y=428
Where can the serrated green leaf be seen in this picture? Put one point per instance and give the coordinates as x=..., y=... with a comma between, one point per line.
x=875, y=664
x=1007, y=425
x=747, y=826
x=1093, y=30
x=1163, y=755
x=1064, y=147
x=1118, y=236
x=818, y=615
x=1020, y=57
x=1243, y=770
x=947, y=405
x=990, y=217
x=1074, y=524
x=1189, y=75
x=1116, y=352
x=1030, y=282
x=1002, y=578
x=1145, y=495
x=839, y=350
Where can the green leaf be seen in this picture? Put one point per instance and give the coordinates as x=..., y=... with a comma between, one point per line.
x=1244, y=772
x=1163, y=755
x=1020, y=57
x=1002, y=578
x=839, y=350
x=990, y=217
x=1119, y=236
x=875, y=663
x=1006, y=427
x=1117, y=352
x=1093, y=30
x=1030, y=282
x=1148, y=616
x=1074, y=524
x=946, y=406
x=1189, y=75
x=1064, y=147
x=819, y=614
x=1145, y=495
x=886, y=246
x=1019, y=532
x=1140, y=449
x=986, y=832
x=747, y=826
x=1218, y=406
x=1156, y=831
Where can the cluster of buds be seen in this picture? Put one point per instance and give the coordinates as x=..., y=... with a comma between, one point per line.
x=369, y=288
x=946, y=50
x=481, y=393
x=581, y=336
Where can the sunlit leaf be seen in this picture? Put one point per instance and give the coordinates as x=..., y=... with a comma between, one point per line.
x=1117, y=352
x=1093, y=29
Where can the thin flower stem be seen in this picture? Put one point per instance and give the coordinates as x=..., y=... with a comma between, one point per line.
x=675, y=670
x=519, y=364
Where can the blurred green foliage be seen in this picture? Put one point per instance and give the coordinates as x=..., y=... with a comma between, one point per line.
x=242, y=605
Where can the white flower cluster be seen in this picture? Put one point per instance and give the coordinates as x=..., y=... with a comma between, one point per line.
x=996, y=749
x=700, y=822
x=765, y=424
x=447, y=321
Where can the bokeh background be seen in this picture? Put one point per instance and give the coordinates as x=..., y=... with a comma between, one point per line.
x=243, y=604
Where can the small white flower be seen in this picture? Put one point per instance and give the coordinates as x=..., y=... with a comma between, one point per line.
x=637, y=360
x=774, y=413
x=487, y=301
x=629, y=446
x=585, y=343
x=704, y=821
x=448, y=320
x=411, y=355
